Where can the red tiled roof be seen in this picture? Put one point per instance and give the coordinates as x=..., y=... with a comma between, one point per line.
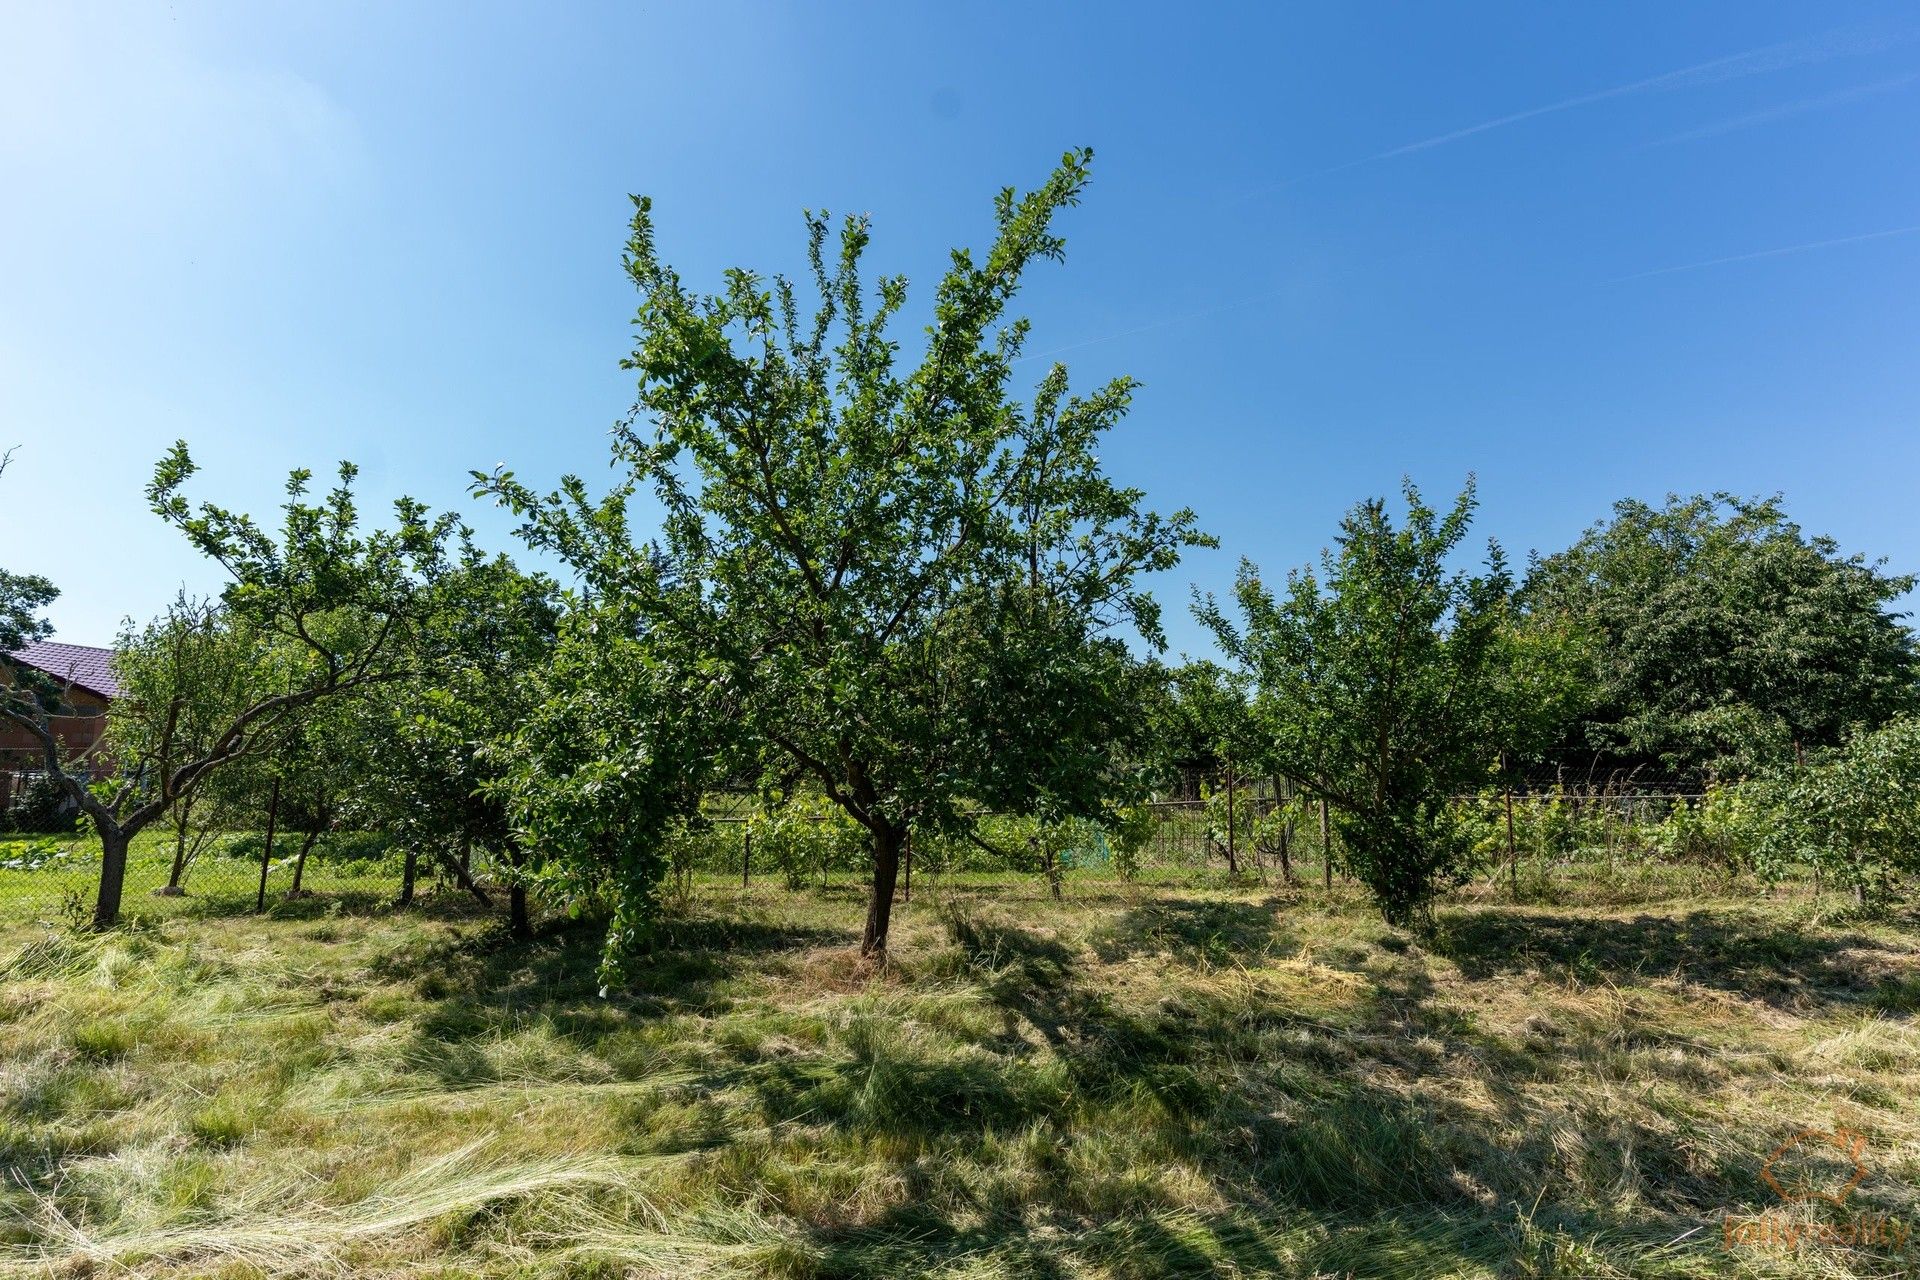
x=83, y=664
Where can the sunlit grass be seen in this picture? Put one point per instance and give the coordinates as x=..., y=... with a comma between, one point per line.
x=1172, y=1078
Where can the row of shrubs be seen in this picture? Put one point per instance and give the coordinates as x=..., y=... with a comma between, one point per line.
x=350, y=852
x=353, y=852
x=1850, y=817
x=806, y=841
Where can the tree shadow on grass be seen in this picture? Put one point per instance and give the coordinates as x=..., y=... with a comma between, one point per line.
x=1200, y=932
x=483, y=984
x=915, y=1240
x=1167, y=1080
x=1284, y=1112
x=1741, y=953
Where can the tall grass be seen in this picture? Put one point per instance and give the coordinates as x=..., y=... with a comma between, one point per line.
x=1143, y=1080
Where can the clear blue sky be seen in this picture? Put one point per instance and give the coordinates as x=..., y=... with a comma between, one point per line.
x=1585, y=252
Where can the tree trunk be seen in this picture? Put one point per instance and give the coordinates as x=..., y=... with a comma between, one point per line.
x=300, y=863
x=1283, y=795
x=518, y=919
x=113, y=874
x=1326, y=847
x=462, y=877
x=409, y=870
x=178, y=871
x=266, y=850
x=886, y=874
x=906, y=885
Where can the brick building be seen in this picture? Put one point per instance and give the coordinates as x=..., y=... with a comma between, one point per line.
x=86, y=672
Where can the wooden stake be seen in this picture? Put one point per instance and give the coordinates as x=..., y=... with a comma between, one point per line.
x=1513, y=852
x=1233, y=865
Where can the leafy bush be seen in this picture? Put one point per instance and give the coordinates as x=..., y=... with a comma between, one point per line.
x=361, y=847
x=33, y=855
x=1128, y=835
x=1718, y=828
x=41, y=807
x=1385, y=681
x=339, y=848
x=1853, y=813
x=806, y=837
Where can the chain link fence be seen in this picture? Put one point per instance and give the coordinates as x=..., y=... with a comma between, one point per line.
x=1245, y=831
x=49, y=876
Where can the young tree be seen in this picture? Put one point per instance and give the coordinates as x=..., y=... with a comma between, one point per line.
x=183, y=678
x=336, y=603
x=298, y=786
x=433, y=776
x=1380, y=688
x=1850, y=812
x=616, y=746
x=1719, y=636
x=906, y=582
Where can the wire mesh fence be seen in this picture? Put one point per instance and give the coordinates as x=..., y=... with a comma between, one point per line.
x=49, y=876
x=1240, y=831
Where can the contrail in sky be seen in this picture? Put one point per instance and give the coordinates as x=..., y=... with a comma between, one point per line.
x=1769, y=253
x=1809, y=51
x=1842, y=43
x=1785, y=110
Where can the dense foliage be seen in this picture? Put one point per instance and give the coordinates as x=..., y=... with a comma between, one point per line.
x=1853, y=814
x=613, y=752
x=1718, y=636
x=904, y=583
x=1379, y=683
x=900, y=603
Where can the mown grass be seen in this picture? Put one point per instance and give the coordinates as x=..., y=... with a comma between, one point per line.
x=1145, y=1080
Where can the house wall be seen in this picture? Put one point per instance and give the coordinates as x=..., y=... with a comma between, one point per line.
x=20, y=751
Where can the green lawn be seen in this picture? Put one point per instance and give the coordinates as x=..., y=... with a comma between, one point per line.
x=1175, y=1078
x=36, y=887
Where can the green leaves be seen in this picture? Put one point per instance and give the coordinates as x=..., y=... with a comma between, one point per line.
x=1381, y=684
x=903, y=579
x=1718, y=635
x=611, y=747
x=1853, y=813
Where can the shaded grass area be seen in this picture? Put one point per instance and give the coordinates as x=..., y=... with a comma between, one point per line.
x=1143, y=1081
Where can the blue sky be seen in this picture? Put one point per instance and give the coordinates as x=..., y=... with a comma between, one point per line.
x=1584, y=252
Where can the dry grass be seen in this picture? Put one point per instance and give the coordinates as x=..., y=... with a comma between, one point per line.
x=1148, y=1080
